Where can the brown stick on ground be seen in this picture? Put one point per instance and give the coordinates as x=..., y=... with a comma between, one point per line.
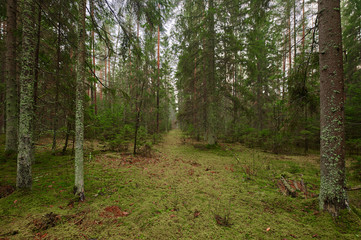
x=290, y=190
x=354, y=188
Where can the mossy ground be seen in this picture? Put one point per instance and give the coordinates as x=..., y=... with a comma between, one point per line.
x=185, y=191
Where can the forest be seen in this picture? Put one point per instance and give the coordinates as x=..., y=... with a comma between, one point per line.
x=180, y=119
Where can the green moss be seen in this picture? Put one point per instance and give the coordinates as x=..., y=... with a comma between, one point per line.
x=177, y=194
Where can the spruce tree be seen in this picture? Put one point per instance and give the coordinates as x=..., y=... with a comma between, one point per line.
x=333, y=195
x=79, y=115
x=24, y=179
x=12, y=99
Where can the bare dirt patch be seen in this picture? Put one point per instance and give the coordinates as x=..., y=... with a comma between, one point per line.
x=6, y=190
x=113, y=212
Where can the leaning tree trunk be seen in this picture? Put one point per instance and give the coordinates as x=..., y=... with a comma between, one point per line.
x=79, y=115
x=333, y=195
x=24, y=180
x=11, y=144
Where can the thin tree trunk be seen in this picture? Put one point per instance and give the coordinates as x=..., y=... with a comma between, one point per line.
x=294, y=31
x=195, y=98
x=284, y=68
x=2, y=78
x=259, y=97
x=101, y=85
x=68, y=125
x=94, y=89
x=36, y=65
x=105, y=72
x=36, y=77
x=11, y=144
x=289, y=45
x=158, y=76
x=303, y=25
x=79, y=118
x=109, y=78
x=137, y=107
x=211, y=136
x=24, y=179
x=333, y=196
x=137, y=120
x=57, y=79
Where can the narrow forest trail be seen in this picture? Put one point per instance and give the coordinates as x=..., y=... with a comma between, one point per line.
x=184, y=191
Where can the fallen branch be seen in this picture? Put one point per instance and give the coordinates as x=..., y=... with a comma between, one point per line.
x=290, y=191
x=354, y=188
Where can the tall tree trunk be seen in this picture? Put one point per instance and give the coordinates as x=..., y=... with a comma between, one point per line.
x=259, y=96
x=109, y=78
x=79, y=118
x=158, y=76
x=284, y=67
x=138, y=104
x=333, y=196
x=2, y=77
x=94, y=88
x=289, y=45
x=101, y=85
x=57, y=79
x=12, y=120
x=294, y=32
x=24, y=179
x=105, y=72
x=303, y=25
x=211, y=112
x=36, y=63
x=137, y=120
x=195, y=99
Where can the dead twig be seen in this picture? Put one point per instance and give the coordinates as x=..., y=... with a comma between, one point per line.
x=354, y=188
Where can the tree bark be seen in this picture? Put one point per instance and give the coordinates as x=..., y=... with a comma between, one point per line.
x=303, y=25
x=79, y=118
x=94, y=89
x=36, y=63
x=68, y=125
x=211, y=112
x=57, y=79
x=24, y=179
x=12, y=115
x=2, y=76
x=158, y=76
x=333, y=196
x=294, y=32
x=289, y=44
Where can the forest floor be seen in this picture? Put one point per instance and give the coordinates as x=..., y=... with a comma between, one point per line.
x=185, y=190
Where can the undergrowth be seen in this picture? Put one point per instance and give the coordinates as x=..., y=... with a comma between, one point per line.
x=186, y=190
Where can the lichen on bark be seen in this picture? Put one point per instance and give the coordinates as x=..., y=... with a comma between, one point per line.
x=24, y=179
x=333, y=195
x=79, y=115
